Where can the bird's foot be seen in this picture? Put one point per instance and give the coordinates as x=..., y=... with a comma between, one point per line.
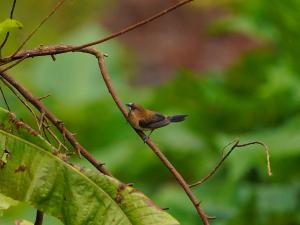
x=145, y=138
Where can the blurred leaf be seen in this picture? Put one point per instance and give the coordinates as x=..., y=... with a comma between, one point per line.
x=241, y=24
x=278, y=198
x=9, y=25
x=5, y=203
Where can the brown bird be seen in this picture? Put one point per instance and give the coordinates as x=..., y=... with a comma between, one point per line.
x=147, y=120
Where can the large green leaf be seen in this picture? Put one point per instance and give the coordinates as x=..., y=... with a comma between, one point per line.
x=74, y=195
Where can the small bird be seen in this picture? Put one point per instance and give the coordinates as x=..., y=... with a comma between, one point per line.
x=147, y=120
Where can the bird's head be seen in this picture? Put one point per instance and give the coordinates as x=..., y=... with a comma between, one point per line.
x=133, y=106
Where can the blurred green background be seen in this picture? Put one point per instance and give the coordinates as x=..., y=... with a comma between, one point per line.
x=232, y=66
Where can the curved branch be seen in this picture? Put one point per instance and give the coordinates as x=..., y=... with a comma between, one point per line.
x=235, y=146
x=152, y=146
x=134, y=26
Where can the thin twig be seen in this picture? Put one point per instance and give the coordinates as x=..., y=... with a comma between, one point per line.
x=235, y=146
x=55, y=121
x=20, y=99
x=57, y=6
x=4, y=98
x=14, y=64
x=136, y=25
x=41, y=121
x=12, y=9
x=39, y=217
x=153, y=147
x=60, y=144
x=7, y=34
x=266, y=149
x=44, y=97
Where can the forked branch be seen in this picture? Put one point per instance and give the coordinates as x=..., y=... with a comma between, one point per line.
x=235, y=146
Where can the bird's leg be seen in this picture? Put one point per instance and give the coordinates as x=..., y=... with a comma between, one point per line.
x=150, y=133
x=146, y=138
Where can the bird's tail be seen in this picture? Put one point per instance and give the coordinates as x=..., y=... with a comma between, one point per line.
x=177, y=118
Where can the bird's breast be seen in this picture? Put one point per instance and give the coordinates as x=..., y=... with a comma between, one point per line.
x=135, y=121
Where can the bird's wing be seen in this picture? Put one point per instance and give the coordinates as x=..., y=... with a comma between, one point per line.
x=153, y=122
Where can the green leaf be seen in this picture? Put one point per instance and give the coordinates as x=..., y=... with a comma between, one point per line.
x=9, y=25
x=74, y=195
x=5, y=203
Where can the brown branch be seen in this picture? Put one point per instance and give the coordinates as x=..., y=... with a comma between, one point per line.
x=20, y=99
x=39, y=217
x=134, y=26
x=58, y=5
x=40, y=107
x=44, y=51
x=153, y=147
x=235, y=146
x=7, y=34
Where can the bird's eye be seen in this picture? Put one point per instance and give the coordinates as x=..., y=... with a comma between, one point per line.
x=130, y=106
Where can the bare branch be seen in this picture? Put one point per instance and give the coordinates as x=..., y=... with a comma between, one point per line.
x=4, y=98
x=235, y=146
x=12, y=9
x=9, y=86
x=149, y=142
x=134, y=26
